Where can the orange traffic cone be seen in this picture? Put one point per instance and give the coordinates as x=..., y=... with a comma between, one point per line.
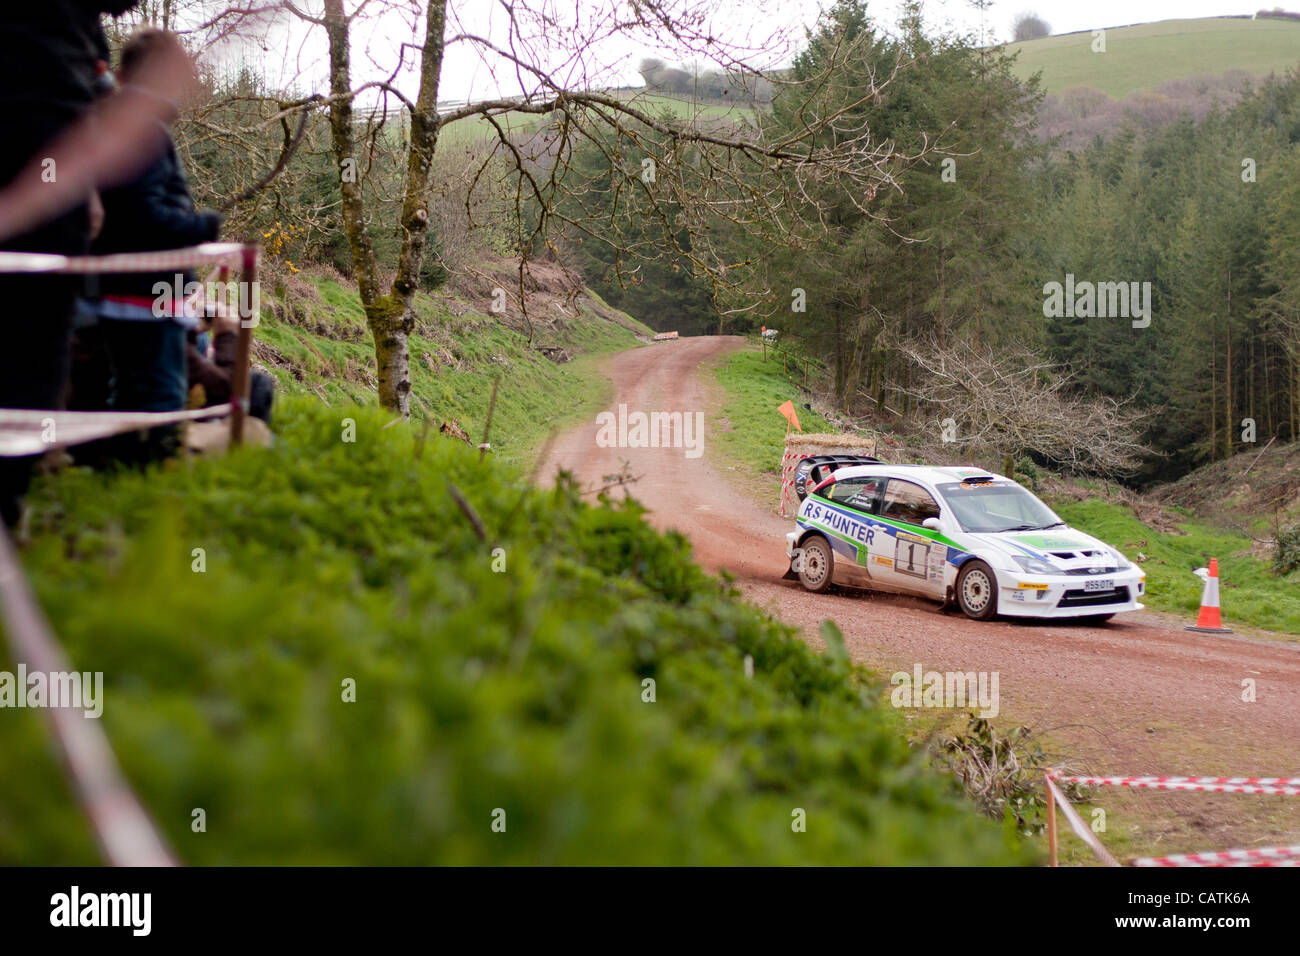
x=1208, y=621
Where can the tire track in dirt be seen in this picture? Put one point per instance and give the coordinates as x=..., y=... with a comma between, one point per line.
x=1139, y=695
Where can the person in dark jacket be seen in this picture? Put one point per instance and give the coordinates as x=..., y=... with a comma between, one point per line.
x=143, y=317
x=47, y=82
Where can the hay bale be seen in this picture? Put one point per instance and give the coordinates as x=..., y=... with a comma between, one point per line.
x=829, y=444
x=799, y=445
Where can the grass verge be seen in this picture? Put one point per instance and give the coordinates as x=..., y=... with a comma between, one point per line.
x=1248, y=590
x=571, y=673
x=751, y=432
x=314, y=340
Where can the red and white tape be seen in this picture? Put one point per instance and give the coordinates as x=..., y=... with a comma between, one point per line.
x=1267, y=856
x=24, y=432
x=228, y=254
x=1282, y=786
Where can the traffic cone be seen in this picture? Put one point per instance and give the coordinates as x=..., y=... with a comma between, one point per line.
x=1208, y=621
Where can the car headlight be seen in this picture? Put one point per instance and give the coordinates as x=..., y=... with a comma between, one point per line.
x=1121, y=562
x=1034, y=565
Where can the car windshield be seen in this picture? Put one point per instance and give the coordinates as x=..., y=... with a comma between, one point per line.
x=984, y=506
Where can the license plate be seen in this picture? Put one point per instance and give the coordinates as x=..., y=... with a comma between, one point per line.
x=1099, y=584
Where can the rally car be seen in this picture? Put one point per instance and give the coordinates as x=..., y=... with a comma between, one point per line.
x=971, y=539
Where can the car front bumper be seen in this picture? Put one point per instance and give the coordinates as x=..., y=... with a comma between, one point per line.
x=1069, y=595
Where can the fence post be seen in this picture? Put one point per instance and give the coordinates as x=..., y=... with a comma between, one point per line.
x=1051, y=818
x=239, y=380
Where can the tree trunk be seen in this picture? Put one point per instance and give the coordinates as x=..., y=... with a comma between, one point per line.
x=391, y=316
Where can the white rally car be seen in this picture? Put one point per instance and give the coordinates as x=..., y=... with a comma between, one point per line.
x=967, y=538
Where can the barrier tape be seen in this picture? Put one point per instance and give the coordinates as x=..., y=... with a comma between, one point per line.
x=789, y=462
x=1081, y=829
x=121, y=825
x=1271, y=856
x=1268, y=856
x=26, y=432
x=1270, y=863
x=224, y=254
x=1135, y=781
x=1280, y=786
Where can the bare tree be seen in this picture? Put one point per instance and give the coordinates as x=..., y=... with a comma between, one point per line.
x=1012, y=403
x=737, y=173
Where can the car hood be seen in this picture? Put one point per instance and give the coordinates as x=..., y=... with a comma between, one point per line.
x=1064, y=548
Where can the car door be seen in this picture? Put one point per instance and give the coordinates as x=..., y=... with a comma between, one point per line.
x=853, y=499
x=915, y=556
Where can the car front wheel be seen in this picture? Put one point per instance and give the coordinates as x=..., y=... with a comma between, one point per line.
x=816, y=564
x=977, y=591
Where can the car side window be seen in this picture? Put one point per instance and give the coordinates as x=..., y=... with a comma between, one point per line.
x=860, y=494
x=908, y=502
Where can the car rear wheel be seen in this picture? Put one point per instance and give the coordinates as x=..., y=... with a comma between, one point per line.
x=816, y=564
x=977, y=591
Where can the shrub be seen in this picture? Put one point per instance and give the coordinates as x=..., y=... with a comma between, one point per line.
x=1287, y=557
x=1029, y=26
x=476, y=689
x=1003, y=774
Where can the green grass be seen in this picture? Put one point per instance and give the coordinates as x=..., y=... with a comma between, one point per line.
x=1249, y=592
x=520, y=688
x=687, y=108
x=475, y=129
x=1144, y=57
x=750, y=430
x=454, y=360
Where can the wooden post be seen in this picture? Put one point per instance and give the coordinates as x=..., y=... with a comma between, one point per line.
x=1051, y=818
x=239, y=379
x=487, y=428
x=763, y=335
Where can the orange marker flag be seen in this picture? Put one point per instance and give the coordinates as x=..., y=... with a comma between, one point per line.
x=788, y=411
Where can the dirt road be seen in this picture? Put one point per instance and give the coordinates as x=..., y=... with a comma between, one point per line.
x=1137, y=696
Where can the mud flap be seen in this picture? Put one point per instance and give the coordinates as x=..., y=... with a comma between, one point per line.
x=949, y=600
x=790, y=573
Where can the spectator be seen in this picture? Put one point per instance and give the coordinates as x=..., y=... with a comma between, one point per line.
x=56, y=150
x=47, y=82
x=213, y=375
x=144, y=332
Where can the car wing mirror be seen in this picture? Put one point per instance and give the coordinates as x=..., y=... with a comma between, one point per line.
x=931, y=523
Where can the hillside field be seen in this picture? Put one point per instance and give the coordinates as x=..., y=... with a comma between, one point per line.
x=1143, y=57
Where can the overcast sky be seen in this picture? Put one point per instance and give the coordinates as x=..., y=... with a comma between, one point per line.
x=297, y=55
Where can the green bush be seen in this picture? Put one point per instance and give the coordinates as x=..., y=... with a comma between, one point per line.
x=476, y=689
x=1028, y=474
x=1287, y=557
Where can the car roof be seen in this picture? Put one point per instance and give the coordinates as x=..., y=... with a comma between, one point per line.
x=931, y=474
